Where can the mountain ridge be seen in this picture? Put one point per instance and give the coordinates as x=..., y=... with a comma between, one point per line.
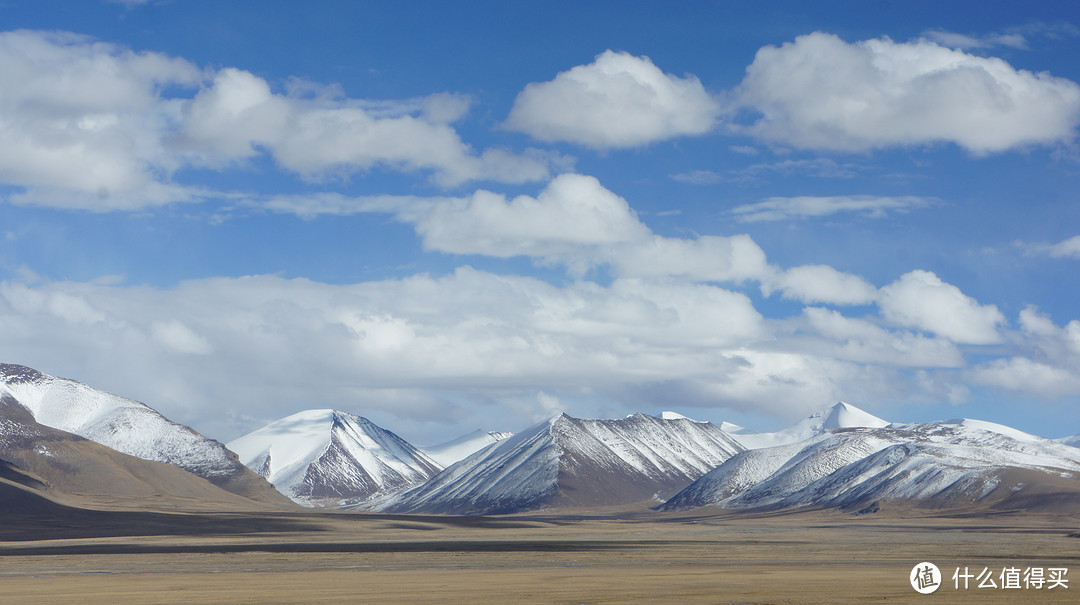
x=127, y=426
x=317, y=457
x=566, y=461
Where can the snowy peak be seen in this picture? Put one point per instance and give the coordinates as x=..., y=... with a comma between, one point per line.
x=125, y=425
x=933, y=464
x=566, y=461
x=840, y=416
x=844, y=415
x=323, y=456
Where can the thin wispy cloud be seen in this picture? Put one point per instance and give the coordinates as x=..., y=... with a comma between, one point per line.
x=822, y=168
x=803, y=207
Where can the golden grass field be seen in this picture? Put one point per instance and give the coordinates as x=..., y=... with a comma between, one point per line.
x=622, y=556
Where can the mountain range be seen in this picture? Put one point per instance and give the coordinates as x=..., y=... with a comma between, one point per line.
x=63, y=441
x=937, y=465
x=572, y=462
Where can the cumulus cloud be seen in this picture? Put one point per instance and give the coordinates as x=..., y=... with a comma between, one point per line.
x=574, y=221
x=229, y=353
x=1023, y=375
x=786, y=208
x=92, y=125
x=821, y=284
x=820, y=92
x=574, y=212
x=322, y=135
x=920, y=300
x=862, y=341
x=1048, y=363
x=287, y=344
x=617, y=101
x=81, y=121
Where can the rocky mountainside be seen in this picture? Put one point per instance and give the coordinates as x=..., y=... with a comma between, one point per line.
x=569, y=461
x=319, y=457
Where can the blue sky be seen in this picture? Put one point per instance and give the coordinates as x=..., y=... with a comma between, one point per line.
x=445, y=218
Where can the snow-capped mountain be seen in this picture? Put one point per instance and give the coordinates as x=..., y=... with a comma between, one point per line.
x=839, y=416
x=324, y=456
x=568, y=461
x=461, y=448
x=59, y=466
x=1073, y=441
x=127, y=426
x=934, y=464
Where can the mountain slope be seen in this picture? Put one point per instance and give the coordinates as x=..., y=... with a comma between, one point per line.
x=458, y=449
x=1073, y=441
x=322, y=456
x=840, y=415
x=62, y=466
x=127, y=426
x=933, y=464
x=568, y=461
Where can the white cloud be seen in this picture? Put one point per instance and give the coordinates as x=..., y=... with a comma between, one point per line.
x=176, y=336
x=616, y=101
x=817, y=168
x=1069, y=248
x=423, y=350
x=574, y=221
x=1048, y=363
x=431, y=352
x=861, y=341
x=96, y=126
x=821, y=284
x=786, y=208
x=270, y=345
x=820, y=92
x=705, y=258
x=920, y=300
x=81, y=121
x=324, y=135
x=964, y=41
x=1023, y=375
x=573, y=213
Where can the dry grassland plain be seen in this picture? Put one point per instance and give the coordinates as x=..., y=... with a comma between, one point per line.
x=624, y=556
